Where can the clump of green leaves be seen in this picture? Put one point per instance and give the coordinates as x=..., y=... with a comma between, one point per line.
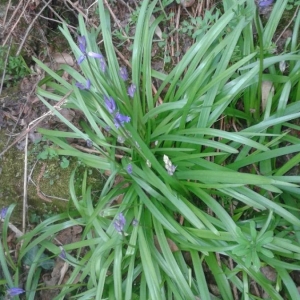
x=51, y=153
x=47, y=153
x=250, y=245
x=198, y=26
x=15, y=68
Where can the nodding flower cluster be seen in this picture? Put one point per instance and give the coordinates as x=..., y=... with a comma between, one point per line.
x=119, y=119
x=84, y=54
x=111, y=106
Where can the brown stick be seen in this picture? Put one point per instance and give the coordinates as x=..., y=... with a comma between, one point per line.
x=16, y=23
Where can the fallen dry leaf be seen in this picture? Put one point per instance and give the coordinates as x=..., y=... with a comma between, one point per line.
x=63, y=58
x=267, y=88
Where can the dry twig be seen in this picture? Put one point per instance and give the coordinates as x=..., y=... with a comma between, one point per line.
x=177, y=35
x=32, y=125
x=17, y=22
x=29, y=28
x=23, y=134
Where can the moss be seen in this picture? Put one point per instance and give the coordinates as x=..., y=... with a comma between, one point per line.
x=11, y=166
x=52, y=179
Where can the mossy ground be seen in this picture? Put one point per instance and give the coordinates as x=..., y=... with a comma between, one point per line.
x=54, y=182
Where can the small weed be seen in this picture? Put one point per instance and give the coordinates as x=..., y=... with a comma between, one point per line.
x=64, y=163
x=51, y=153
x=197, y=27
x=47, y=153
x=15, y=69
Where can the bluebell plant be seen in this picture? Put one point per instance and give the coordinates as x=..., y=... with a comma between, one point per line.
x=167, y=155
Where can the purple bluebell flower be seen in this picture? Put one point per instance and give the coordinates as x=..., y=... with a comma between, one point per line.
x=3, y=212
x=123, y=73
x=120, y=119
x=110, y=104
x=80, y=85
x=62, y=253
x=82, y=47
x=81, y=59
x=15, y=291
x=265, y=3
x=95, y=55
x=119, y=223
x=84, y=87
x=101, y=59
x=131, y=90
x=129, y=169
x=82, y=43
